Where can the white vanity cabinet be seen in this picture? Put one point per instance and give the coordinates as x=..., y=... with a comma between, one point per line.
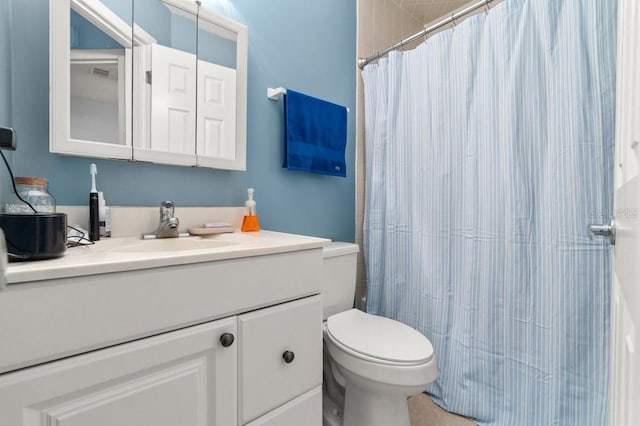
x=185, y=377
x=227, y=342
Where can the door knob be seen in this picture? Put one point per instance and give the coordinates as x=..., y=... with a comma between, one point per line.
x=604, y=230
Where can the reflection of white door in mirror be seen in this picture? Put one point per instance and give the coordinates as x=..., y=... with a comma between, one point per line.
x=216, y=114
x=170, y=87
x=222, y=59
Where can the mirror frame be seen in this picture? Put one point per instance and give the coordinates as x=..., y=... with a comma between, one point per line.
x=60, y=141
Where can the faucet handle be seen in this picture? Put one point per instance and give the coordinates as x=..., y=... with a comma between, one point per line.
x=167, y=210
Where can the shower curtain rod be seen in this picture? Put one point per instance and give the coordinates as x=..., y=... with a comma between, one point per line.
x=362, y=62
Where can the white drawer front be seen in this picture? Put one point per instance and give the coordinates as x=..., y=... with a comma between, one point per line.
x=266, y=380
x=304, y=410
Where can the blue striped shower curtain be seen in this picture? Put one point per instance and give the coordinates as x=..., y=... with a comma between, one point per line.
x=489, y=149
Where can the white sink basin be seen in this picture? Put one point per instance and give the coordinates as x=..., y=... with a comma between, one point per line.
x=174, y=245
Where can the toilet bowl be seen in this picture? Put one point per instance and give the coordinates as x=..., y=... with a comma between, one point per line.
x=376, y=362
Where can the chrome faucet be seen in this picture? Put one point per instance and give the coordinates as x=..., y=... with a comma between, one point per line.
x=168, y=227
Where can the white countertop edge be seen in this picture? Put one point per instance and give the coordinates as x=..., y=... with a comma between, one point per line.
x=96, y=260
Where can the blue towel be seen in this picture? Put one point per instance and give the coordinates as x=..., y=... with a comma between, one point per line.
x=315, y=135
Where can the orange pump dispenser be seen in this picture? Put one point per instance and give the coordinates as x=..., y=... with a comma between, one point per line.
x=250, y=221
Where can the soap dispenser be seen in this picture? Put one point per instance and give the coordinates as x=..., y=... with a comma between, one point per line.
x=250, y=222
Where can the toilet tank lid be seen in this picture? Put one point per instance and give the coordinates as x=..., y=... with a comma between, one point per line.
x=338, y=248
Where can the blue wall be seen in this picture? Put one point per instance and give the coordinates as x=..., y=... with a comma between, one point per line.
x=5, y=64
x=307, y=46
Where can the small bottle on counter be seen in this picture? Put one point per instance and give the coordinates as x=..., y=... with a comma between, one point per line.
x=104, y=216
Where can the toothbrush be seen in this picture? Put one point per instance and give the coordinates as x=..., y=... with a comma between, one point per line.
x=94, y=226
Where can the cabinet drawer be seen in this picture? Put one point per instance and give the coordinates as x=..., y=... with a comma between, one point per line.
x=266, y=380
x=304, y=410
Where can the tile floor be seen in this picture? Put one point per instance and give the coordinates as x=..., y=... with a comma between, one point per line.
x=424, y=412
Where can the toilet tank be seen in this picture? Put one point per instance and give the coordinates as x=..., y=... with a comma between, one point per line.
x=339, y=280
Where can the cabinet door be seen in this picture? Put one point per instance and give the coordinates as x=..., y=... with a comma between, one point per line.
x=268, y=380
x=90, y=88
x=185, y=378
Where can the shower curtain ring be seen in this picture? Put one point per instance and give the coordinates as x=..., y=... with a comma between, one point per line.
x=453, y=21
x=488, y=8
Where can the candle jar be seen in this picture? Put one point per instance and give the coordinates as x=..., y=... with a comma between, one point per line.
x=34, y=191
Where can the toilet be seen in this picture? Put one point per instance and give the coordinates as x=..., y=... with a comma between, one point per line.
x=372, y=364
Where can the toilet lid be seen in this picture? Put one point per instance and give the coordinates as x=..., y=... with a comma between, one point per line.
x=379, y=337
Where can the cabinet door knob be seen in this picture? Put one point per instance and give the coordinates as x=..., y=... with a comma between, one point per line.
x=227, y=339
x=288, y=356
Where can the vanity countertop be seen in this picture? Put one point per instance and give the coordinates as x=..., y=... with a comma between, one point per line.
x=132, y=253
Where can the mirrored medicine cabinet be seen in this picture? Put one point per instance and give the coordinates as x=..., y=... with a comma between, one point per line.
x=162, y=81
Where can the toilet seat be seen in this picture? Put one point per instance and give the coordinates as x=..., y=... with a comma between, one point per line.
x=377, y=339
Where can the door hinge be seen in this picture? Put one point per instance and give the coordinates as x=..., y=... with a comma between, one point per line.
x=147, y=77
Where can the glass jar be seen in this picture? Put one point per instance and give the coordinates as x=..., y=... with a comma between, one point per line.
x=33, y=190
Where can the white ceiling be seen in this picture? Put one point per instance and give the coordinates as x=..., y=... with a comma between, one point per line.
x=426, y=11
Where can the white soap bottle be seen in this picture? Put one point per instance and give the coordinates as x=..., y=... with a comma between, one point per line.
x=104, y=216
